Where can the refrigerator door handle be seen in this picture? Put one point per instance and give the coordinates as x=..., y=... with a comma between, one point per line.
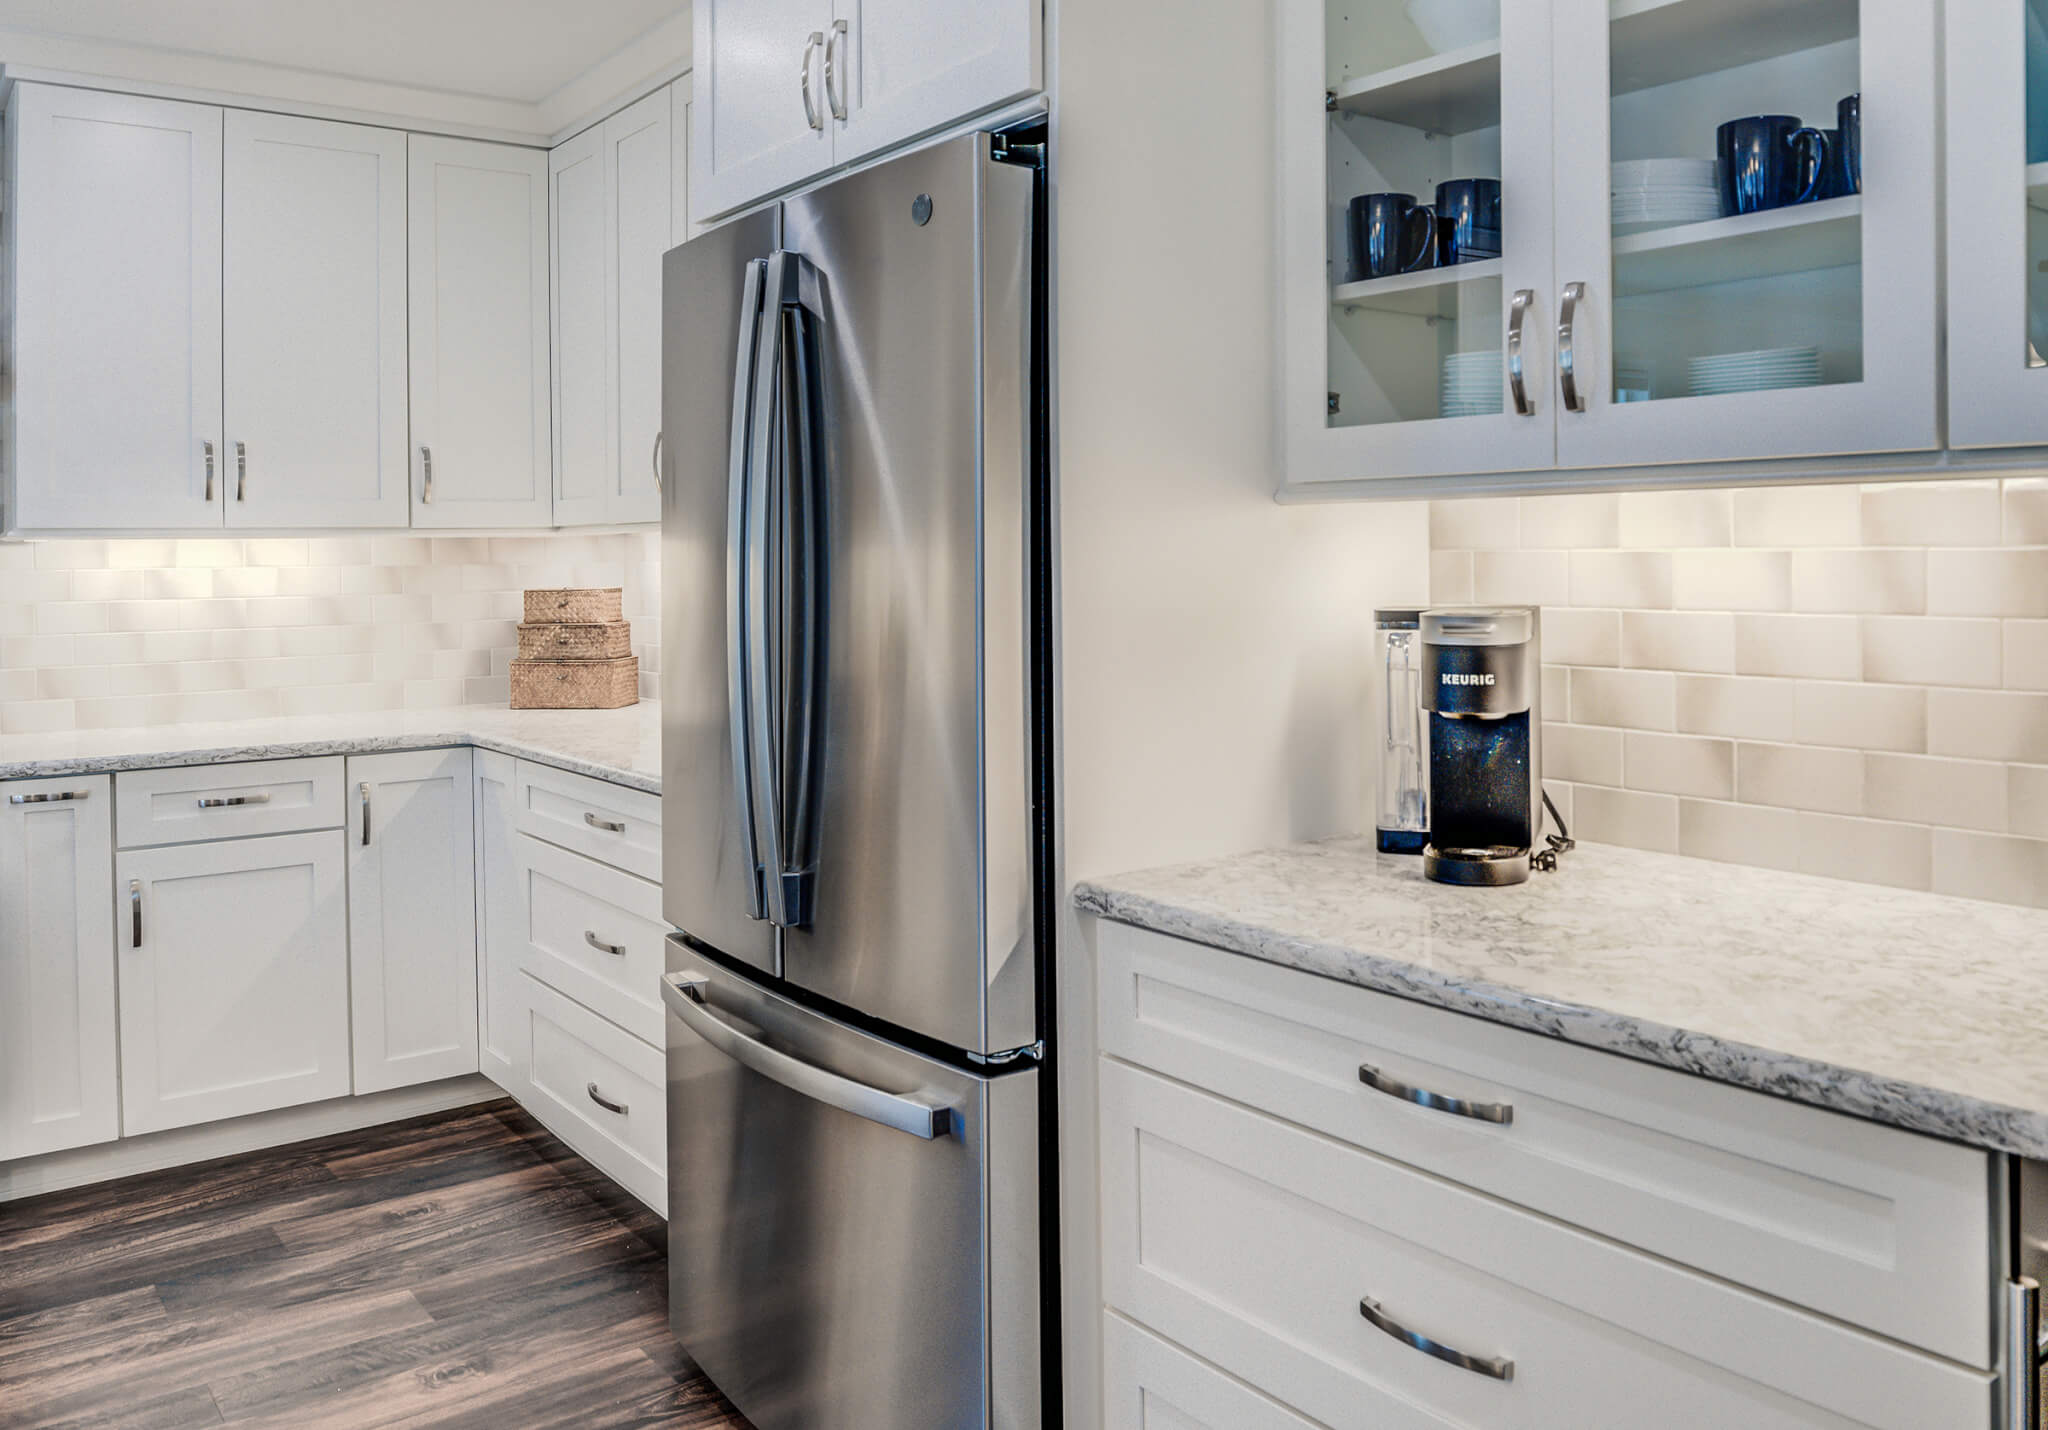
x=739, y=499
x=684, y=993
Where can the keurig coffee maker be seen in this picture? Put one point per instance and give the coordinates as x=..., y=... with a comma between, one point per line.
x=1482, y=686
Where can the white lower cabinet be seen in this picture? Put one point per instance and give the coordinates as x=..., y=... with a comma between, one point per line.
x=601, y=1090
x=502, y=1051
x=595, y=935
x=233, y=960
x=58, y=1087
x=412, y=917
x=1148, y=1384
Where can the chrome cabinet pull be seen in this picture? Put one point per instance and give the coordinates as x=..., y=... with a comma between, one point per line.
x=54, y=797
x=684, y=993
x=590, y=937
x=427, y=476
x=363, y=789
x=2023, y=1355
x=234, y=799
x=1567, y=363
x=207, y=444
x=135, y=907
x=1516, y=385
x=811, y=115
x=610, y=826
x=1498, y=1367
x=241, y=470
x=835, y=83
x=657, y=461
x=602, y=1101
x=1372, y=1077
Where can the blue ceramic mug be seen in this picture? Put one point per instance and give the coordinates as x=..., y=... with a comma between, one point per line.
x=1467, y=221
x=1389, y=234
x=1849, y=124
x=1769, y=161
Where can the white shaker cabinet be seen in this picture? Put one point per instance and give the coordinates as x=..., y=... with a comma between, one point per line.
x=411, y=917
x=503, y=1045
x=583, y=424
x=680, y=101
x=314, y=323
x=113, y=242
x=903, y=68
x=58, y=1059
x=764, y=123
x=477, y=285
x=233, y=961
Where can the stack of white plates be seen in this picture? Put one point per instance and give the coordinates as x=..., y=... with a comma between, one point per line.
x=1658, y=193
x=1760, y=371
x=1472, y=384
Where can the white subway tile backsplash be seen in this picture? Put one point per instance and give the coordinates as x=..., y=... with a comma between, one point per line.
x=1582, y=754
x=1572, y=521
x=1817, y=647
x=1870, y=850
x=1931, y=650
x=2026, y=655
x=1950, y=513
x=1991, y=866
x=1738, y=833
x=2010, y=582
x=1711, y=579
x=2026, y=511
x=1621, y=816
x=1629, y=580
x=1738, y=707
x=1636, y=699
x=1988, y=725
x=1862, y=717
x=1926, y=789
x=1679, y=764
x=1678, y=640
x=1795, y=777
x=1677, y=518
x=1528, y=578
x=1577, y=637
x=1866, y=582
x=1799, y=516
x=2026, y=800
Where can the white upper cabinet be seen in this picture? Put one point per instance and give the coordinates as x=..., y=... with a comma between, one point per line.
x=679, y=104
x=477, y=280
x=1998, y=231
x=58, y=1039
x=113, y=239
x=583, y=422
x=1606, y=235
x=766, y=124
x=411, y=917
x=902, y=68
x=314, y=329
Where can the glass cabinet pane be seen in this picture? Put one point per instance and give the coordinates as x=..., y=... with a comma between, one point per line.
x=1415, y=225
x=2037, y=183
x=1735, y=196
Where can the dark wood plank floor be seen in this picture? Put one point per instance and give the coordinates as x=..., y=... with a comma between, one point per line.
x=462, y=1270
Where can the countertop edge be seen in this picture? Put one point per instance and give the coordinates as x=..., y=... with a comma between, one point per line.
x=1908, y=1106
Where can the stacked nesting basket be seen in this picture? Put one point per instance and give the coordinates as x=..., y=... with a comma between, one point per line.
x=575, y=652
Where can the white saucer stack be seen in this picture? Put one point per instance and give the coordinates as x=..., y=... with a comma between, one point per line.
x=1761, y=371
x=1472, y=384
x=1659, y=193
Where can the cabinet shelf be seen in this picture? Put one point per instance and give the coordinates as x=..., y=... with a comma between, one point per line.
x=1452, y=93
x=1431, y=293
x=1797, y=239
x=1655, y=42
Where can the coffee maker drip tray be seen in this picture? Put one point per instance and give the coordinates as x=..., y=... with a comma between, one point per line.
x=1493, y=865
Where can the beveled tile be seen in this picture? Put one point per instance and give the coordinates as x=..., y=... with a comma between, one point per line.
x=1589, y=520
x=1991, y=866
x=1677, y=518
x=1927, y=789
x=1871, y=851
x=1735, y=579
x=1931, y=650
x=1816, y=647
x=1622, y=816
x=2008, y=582
x=1944, y=513
x=1799, y=516
x=1741, y=707
x=1864, y=582
x=1625, y=580
x=1863, y=717
x=1679, y=764
x=1638, y=699
x=1678, y=640
x=1988, y=725
x=1800, y=777
x=1739, y=833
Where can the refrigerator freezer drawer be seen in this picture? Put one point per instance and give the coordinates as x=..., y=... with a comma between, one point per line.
x=852, y=1226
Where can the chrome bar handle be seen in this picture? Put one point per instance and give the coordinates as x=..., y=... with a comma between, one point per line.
x=657, y=461
x=685, y=995
x=811, y=116
x=1567, y=363
x=609, y=826
x=135, y=907
x=835, y=93
x=1498, y=1367
x=207, y=445
x=427, y=476
x=230, y=801
x=241, y=471
x=739, y=498
x=363, y=790
x=602, y=1101
x=54, y=797
x=616, y=949
x=1372, y=1077
x=2022, y=1390
x=1524, y=297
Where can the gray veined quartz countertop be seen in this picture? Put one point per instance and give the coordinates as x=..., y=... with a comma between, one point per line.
x=622, y=746
x=1917, y=1010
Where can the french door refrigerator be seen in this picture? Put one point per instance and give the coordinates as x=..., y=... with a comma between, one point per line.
x=854, y=678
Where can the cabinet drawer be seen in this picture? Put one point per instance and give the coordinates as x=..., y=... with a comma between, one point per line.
x=594, y=934
x=581, y=1063
x=1148, y=1384
x=1257, y=1245
x=620, y=826
x=1881, y=1228
x=194, y=802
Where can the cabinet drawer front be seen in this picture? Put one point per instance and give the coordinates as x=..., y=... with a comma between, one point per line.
x=1255, y=1244
x=620, y=826
x=579, y=1058
x=179, y=806
x=1881, y=1228
x=594, y=934
x=1151, y=1385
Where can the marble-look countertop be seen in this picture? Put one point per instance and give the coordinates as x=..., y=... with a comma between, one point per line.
x=1917, y=1010
x=622, y=746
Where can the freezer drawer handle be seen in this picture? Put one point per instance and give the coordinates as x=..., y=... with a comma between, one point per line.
x=1372, y=1077
x=684, y=995
x=1498, y=1368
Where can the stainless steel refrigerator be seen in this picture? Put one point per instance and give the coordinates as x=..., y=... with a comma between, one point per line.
x=854, y=675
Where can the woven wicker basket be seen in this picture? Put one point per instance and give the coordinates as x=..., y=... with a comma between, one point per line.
x=575, y=684
x=602, y=640
x=575, y=604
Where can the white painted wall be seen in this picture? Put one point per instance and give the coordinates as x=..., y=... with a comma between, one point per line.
x=1216, y=646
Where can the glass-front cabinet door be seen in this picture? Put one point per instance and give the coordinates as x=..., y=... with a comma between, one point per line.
x=1746, y=229
x=1998, y=223
x=1416, y=230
